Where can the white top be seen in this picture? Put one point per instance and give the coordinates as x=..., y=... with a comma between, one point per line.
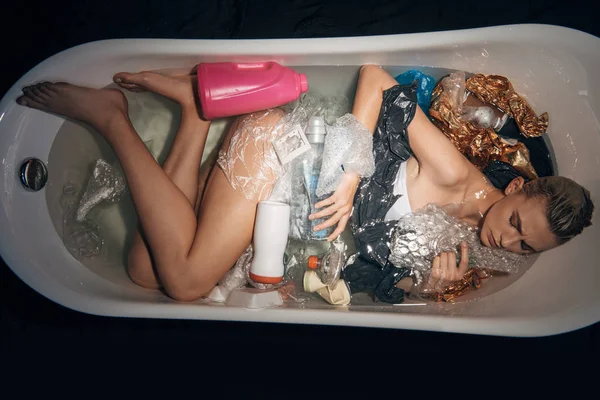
x=402, y=205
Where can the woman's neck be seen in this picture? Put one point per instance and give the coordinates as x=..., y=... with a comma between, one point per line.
x=477, y=202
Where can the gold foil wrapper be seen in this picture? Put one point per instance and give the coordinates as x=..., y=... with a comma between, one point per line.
x=471, y=280
x=483, y=145
x=497, y=90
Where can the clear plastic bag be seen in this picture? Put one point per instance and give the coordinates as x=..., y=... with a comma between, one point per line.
x=105, y=185
x=454, y=89
x=348, y=148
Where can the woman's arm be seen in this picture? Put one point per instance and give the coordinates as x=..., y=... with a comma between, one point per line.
x=436, y=155
x=438, y=158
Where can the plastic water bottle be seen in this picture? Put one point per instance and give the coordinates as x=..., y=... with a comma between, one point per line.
x=228, y=88
x=315, y=133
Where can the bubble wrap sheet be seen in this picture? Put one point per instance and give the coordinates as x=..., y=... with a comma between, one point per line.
x=349, y=144
x=421, y=235
x=249, y=160
x=375, y=195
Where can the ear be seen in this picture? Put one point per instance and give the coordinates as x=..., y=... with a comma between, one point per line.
x=515, y=185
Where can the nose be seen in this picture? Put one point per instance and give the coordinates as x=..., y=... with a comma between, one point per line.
x=509, y=238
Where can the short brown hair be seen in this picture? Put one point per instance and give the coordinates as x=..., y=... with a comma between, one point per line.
x=569, y=207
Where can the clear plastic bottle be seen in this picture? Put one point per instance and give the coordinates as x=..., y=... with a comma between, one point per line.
x=306, y=170
x=481, y=114
x=311, y=168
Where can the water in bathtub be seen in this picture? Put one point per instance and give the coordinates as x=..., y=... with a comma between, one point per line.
x=100, y=240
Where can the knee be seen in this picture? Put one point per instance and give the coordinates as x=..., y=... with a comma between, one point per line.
x=370, y=70
x=142, y=275
x=264, y=120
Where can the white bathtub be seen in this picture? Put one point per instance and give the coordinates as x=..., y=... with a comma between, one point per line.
x=555, y=68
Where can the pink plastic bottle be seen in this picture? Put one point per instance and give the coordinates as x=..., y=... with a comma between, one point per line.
x=229, y=88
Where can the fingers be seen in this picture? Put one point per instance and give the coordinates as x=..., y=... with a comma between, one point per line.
x=337, y=207
x=444, y=266
x=464, y=260
x=436, y=271
x=325, y=212
x=340, y=228
x=328, y=201
x=330, y=222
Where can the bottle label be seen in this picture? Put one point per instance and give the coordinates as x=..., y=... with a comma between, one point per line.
x=291, y=145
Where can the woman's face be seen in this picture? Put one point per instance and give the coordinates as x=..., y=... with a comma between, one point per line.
x=518, y=224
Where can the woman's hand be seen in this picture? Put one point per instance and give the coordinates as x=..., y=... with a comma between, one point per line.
x=339, y=204
x=444, y=268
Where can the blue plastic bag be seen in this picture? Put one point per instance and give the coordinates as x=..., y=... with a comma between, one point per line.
x=425, y=87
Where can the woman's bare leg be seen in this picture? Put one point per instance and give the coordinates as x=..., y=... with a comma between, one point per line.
x=191, y=255
x=183, y=162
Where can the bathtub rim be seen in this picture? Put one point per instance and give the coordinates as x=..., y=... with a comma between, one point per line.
x=479, y=325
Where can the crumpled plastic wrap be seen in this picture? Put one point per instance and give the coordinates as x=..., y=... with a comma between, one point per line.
x=282, y=189
x=443, y=291
x=249, y=161
x=497, y=90
x=332, y=262
x=478, y=143
x=423, y=234
x=500, y=174
x=370, y=269
x=239, y=275
x=104, y=186
x=81, y=238
x=375, y=195
x=453, y=86
x=348, y=145
x=364, y=276
x=425, y=86
x=291, y=186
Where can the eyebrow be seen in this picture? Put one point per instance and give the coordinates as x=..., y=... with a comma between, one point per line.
x=525, y=244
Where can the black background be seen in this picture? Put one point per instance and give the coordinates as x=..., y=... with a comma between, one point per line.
x=36, y=30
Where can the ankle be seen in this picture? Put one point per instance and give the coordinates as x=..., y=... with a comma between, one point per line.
x=110, y=122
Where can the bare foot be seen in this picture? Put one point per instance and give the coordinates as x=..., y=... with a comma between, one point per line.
x=97, y=107
x=179, y=85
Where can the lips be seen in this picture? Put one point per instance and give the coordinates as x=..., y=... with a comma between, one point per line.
x=491, y=240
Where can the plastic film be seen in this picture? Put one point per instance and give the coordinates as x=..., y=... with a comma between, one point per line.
x=421, y=235
x=105, y=185
x=348, y=148
x=249, y=160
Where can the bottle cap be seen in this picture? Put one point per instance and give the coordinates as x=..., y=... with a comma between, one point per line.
x=315, y=132
x=313, y=262
x=303, y=83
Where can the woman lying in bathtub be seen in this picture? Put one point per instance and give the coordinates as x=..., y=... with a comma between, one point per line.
x=193, y=226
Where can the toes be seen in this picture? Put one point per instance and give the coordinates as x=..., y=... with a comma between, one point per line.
x=46, y=88
x=30, y=102
x=38, y=95
x=129, y=81
x=31, y=93
x=127, y=78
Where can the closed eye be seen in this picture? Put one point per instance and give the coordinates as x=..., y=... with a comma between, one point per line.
x=510, y=221
x=524, y=245
x=515, y=222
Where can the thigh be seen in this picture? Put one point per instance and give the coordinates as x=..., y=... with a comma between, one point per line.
x=225, y=214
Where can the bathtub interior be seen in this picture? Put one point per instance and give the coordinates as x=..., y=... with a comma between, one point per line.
x=552, y=73
x=76, y=147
